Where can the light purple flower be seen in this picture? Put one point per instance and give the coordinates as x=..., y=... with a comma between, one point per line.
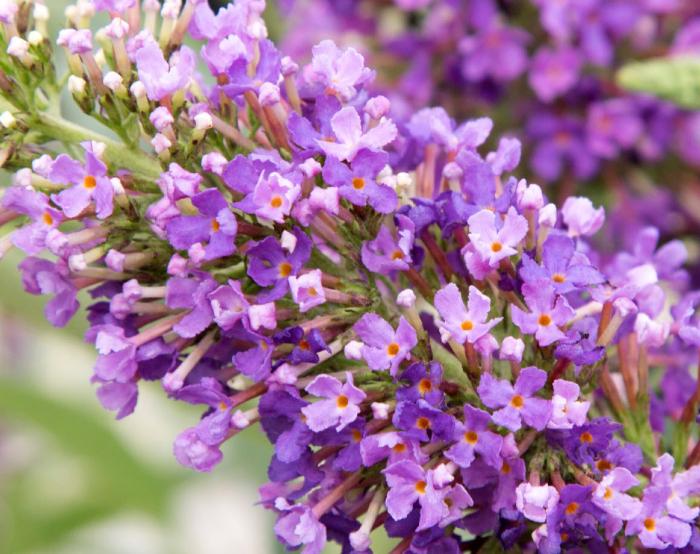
x=338, y=71
x=192, y=452
x=161, y=78
x=350, y=138
x=610, y=495
x=581, y=218
x=536, y=502
x=459, y=322
x=473, y=437
x=547, y=312
x=299, y=526
x=307, y=290
x=494, y=240
x=383, y=347
x=341, y=406
x=554, y=72
x=272, y=198
x=517, y=403
x=408, y=482
x=567, y=410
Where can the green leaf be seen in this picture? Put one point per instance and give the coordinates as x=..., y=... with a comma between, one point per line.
x=676, y=79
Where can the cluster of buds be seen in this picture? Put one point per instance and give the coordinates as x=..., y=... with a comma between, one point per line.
x=431, y=345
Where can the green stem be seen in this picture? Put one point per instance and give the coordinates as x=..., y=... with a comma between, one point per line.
x=117, y=154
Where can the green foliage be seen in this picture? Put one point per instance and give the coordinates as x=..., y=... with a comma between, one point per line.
x=676, y=79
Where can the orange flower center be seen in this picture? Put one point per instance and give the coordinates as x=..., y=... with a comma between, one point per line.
x=399, y=447
x=285, y=268
x=424, y=385
x=312, y=291
x=423, y=423
x=89, y=182
x=420, y=487
x=571, y=508
x=276, y=201
x=558, y=278
x=471, y=437
x=603, y=465
x=47, y=219
x=397, y=255
x=215, y=225
x=356, y=435
x=222, y=406
x=342, y=401
x=304, y=344
x=496, y=247
x=467, y=325
x=517, y=401
x=649, y=524
x=544, y=320
x=392, y=349
x=505, y=468
x=608, y=494
x=358, y=183
x=586, y=437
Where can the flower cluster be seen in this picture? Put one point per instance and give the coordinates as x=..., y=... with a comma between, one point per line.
x=545, y=72
x=430, y=344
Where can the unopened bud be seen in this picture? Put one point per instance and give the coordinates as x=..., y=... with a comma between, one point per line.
x=7, y=120
x=203, y=121
x=18, y=47
x=76, y=85
x=35, y=38
x=112, y=80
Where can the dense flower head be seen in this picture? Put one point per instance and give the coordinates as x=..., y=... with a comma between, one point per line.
x=430, y=343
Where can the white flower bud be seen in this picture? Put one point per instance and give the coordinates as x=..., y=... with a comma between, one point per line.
x=288, y=241
x=18, y=47
x=41, y=12
x=353, y=350
x=203, y=121
x=35, y=38
x=112, y=80
x=7, y=120
x=117, y=186
x=77, y=262
x=406, y=298
x=138, y=90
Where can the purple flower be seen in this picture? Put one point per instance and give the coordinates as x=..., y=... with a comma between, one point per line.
x=119, y=397
x=565, y=268
x=554, y=72
x=161, y=78
x=547, y=312
x=191, y=294
x=496, y=52
x=297, y=526
x=350, y=138
x=419, y=420
x=272, y=198
x=216, y=226
x=307, y=290
x=358, y=183
x=271, y=265
x=44, y=277
x=459, y=322
x=385, y=254
x=267, y=70
x=494, y=240
x=536, y=502
x=117, y=354
x=517, y=403
x=228, y=304
x=31, y=238
x=613, y=125
x=384, y=348
x=567, y=410
x=90, y=184
x=408, y=483
x=610, y=495
x=341, y=407
x=559, y=141
x=473, y=437
x=194, y=453
x=337, y=71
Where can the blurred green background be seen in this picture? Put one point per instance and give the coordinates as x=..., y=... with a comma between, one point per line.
x=73, y=480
